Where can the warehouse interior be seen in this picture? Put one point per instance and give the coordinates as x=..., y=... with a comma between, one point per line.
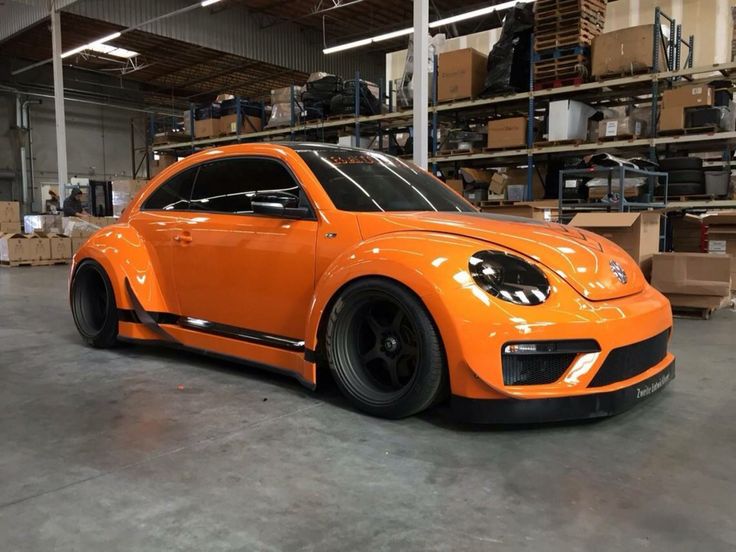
x=600, y=127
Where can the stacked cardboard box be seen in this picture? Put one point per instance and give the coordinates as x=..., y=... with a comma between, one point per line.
x=721, y=229
x=635, y=233
x=507, y=133
x=9, y=217
x=693, y=280
x=123, y=191
x=36, y=249
x=688, y=233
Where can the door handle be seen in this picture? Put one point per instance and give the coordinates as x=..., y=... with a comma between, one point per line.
x=183, y=238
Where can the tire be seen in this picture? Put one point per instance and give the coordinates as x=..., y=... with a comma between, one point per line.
x=681, y=189
x=687, y=177
x=680, y=164
x=384, y=350
x=93, y=305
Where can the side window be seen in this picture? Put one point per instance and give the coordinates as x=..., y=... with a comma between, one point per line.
x=173, y=195
x=228, y=185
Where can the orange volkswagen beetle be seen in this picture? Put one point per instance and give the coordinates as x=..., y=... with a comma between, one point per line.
x=284, y=255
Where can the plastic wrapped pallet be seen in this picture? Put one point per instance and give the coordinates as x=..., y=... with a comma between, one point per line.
x=42, y=223
x=123, y=191
x=509, y=60
x=280, y=115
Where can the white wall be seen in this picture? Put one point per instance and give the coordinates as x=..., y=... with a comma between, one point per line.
x=709, y=20
x=98, y=141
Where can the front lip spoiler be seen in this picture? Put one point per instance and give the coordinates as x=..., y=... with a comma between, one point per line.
x=578, y=407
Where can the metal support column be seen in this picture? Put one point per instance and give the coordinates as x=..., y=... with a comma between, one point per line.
x=435, y=115
x=530, y=128
x=357, y=109
x=61, y=161
x=419, y=81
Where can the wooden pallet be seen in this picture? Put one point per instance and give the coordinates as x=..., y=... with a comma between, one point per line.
x=563, y=52
x=592, y=20
x=634, y=72
x=558, y=83
x=692, y=313
x=543, y=6
x=590, y=13
x=564, y=38
x=547, y=143
x=710, y=129
x=694, y=197
x=510, y=148
x=52, y=262
x=561, y=71
x=618, y=137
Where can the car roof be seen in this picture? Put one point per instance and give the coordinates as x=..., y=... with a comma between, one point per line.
x=296, y=146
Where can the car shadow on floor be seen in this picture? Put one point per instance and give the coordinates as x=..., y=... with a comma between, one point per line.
x=327, y=391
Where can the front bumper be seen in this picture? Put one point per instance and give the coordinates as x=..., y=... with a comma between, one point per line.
x=577, y=407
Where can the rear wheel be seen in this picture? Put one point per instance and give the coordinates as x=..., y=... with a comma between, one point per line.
x=384, y=350
x=93, y=305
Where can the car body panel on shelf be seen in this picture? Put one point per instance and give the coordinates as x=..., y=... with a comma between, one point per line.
x=259, y=288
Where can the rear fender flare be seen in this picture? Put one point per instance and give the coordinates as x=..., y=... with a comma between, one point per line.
x=120, y=250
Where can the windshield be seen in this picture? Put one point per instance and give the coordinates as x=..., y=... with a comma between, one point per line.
x=371, y=181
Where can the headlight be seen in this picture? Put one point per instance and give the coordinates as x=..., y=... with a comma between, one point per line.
x=509, y=278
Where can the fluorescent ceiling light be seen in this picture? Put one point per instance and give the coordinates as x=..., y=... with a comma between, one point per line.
x=206, y=3
x=347, y=46
x=432, y=25
x=84, y=47
x=113, y=51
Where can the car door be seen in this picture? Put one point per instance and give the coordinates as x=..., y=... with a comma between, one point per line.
x=158, y=222
x=241, y=272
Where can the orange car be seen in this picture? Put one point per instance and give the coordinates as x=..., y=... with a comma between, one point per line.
x=285, y=254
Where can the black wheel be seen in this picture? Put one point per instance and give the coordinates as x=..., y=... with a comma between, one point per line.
x=686, y=177
x=384, y=350
x=93, y=305
x=680, y=164
x=681, y=189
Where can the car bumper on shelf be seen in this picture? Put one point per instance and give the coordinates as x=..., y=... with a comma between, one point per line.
x=556, y=409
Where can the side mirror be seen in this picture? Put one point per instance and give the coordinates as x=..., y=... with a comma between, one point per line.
x=275, y=209
x=272, y=208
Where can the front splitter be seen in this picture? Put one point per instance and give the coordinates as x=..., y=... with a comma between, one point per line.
x=577, y=407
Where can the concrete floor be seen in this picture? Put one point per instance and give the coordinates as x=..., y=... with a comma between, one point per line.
x=141, y=448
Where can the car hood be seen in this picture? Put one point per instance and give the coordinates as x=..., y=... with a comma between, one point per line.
x=581, y=258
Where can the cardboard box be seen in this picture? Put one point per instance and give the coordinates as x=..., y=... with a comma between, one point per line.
x=507, y=133
x=625, y=51
x=688, y=233
x=672, y=118
x=229, y=124
x=568, y=120
x=688, y=95
x=625, y=126
x=13, y=248
x=721, y=229
x=635, y=233
x=206, y=128
x=501, y=180
x=9, y=211
x=164, y=160
x=460, y=74
x=456, y=185
x=545, y=210
x=692, y=274
x=10, y=228
x=78, y=242
x=60, y=246
x=39, y=247
x=599, y=192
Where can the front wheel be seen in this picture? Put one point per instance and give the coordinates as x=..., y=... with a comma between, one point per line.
x=384, y=350
x=93, y=305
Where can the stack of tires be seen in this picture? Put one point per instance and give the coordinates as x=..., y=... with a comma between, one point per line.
x=686, y=176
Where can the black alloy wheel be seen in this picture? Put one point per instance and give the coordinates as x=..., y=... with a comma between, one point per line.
x=93, y=305
x=384, y=350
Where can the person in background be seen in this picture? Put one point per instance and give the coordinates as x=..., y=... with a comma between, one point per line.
x=73, y=204
x=52, y=204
